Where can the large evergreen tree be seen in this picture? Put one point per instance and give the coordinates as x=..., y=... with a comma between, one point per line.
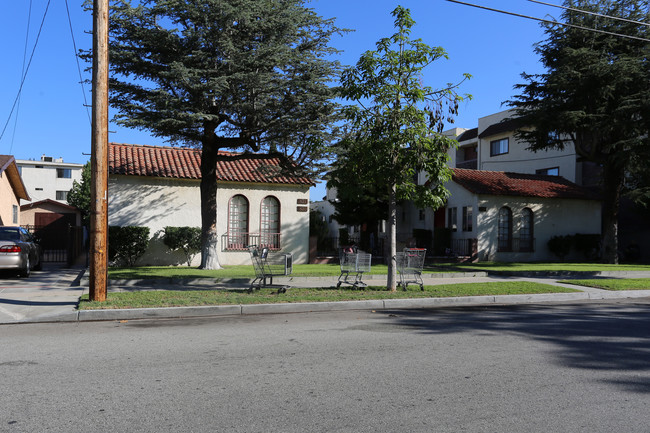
x=395, y=125
x=594, y=95
x=243, y=75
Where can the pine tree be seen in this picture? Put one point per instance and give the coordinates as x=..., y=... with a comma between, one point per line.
x=242, y=75
x=594, y=95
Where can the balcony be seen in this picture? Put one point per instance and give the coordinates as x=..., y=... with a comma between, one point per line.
x=239, y=241
x=518, y=245
x=471, y=164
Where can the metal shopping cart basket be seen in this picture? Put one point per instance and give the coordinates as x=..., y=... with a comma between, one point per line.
x=409, y=266
x=268, y=265
x=356, y=263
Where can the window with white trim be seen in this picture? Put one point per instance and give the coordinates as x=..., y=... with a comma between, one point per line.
x=526, y=230
x=467, y=219
x=499, y=147
x=238, y=222
x=504, y=231
x=452, y=219
x=270, y=223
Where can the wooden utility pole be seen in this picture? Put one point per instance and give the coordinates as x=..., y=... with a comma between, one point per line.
x=99, y=158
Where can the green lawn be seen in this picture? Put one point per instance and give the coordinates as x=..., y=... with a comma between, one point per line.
x=165, y=298
x=614, y=284
x=549, y=267
x=241, y=271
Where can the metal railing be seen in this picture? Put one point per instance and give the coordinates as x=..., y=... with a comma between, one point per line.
x=239, y=241
x=518, y=245
x=470, y=164
x=464, y=247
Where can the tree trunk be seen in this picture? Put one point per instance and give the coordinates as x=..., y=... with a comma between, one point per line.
x=209, y=235
x=613, y=177
x=392, y=240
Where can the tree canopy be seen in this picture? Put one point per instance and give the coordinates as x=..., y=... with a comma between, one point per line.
x=79, y=195
x=243, y=75
x=395, y=125
x=594, y=95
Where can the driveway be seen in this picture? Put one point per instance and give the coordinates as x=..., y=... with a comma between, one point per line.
x=45, y=294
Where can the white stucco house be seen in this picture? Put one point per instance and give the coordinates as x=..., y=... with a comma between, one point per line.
x=158, y=186
x=502, y=216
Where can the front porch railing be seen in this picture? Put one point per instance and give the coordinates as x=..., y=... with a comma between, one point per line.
x=239, y=241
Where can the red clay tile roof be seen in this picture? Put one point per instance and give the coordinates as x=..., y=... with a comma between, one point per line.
x=519, y=184
x=185, y=163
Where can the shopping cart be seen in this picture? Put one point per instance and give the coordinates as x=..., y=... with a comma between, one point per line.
x=268, y=265
x=409, y=266
x=356, y=263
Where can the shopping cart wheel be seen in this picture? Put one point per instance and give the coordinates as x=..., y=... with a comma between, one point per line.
x=338, y=284
x=282, y=290
x=422, y=287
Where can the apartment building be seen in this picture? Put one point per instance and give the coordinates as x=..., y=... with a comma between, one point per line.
x=49, y=178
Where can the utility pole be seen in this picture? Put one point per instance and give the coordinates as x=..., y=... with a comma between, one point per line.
x=99, y=155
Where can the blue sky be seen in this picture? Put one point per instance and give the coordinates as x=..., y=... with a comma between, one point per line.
x=51, y=118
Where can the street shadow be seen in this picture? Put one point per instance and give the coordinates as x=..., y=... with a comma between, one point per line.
x=35, y=303
x=596, y=337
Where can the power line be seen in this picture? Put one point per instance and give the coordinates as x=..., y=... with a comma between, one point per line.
x=590, y=13
x=76, y=56
x=22, y=82
x=22, y=71
x=550, y=21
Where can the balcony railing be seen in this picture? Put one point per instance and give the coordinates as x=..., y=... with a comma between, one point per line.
x=239, y=241
x=518, y=245
x=464, y=247
x=469, y=164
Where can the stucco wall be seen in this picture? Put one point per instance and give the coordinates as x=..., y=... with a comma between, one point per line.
x=552, y=217
x=7, y=201
x=41, y=181
x=157, y=203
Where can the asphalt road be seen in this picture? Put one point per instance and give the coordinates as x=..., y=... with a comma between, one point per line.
x=530, y=368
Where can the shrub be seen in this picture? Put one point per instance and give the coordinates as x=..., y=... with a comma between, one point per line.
x=560, y=245
x=587, y=244
x=422, y=238
x=127, y=244
x=441, y=240
x=187, y=239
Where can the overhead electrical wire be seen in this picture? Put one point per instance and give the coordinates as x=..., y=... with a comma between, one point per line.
x=589, y=29
x=22, y=71
x=76, y=56
x=22, y=81
x=590, y=13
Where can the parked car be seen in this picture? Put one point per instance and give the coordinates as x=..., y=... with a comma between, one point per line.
x=19, y=251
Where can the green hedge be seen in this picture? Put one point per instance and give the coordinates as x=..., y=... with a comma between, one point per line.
x=127, y=244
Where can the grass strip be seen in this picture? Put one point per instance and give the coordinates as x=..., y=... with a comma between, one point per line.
x=613, y=283
x=547, y=267
x=241, y=271
x=180, y=298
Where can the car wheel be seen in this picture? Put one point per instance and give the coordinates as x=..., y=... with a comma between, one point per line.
x=26, y=271
x=39, y=266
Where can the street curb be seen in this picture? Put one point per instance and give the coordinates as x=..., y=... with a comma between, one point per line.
x=308, y=307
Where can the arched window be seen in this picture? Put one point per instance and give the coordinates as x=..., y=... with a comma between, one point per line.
x=270, y=223
x=238, y=222
x=526, y=230
x=504, y=233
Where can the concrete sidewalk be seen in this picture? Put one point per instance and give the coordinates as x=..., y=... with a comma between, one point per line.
x=57, y=300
